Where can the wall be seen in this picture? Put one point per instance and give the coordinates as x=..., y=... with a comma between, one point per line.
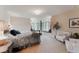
x=3, y=13
x=20, y=23
x=3, y=26
x=63, y=20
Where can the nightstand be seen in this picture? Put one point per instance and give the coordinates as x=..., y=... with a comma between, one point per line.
x=5, y=43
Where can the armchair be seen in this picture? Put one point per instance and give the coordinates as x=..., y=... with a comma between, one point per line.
x=61, y=36
x=72, y=45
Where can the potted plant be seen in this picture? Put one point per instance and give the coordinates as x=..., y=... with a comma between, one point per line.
x=56, y=27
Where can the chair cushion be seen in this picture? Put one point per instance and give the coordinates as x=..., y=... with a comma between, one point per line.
x=60, y=38
x=73, y=40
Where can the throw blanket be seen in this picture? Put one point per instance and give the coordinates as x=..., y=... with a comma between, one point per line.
x=23, y=40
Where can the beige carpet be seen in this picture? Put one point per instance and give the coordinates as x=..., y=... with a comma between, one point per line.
x=48, y=45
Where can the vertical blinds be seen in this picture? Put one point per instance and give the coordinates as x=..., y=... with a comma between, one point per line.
x=41, y=25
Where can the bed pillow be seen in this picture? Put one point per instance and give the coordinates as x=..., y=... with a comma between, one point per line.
x=14, y=32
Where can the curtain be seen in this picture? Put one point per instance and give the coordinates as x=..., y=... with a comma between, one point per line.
x=41, y=25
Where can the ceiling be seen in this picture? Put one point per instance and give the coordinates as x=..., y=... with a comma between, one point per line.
x=27, y=10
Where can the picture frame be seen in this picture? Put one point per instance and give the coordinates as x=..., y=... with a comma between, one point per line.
x=74, y=23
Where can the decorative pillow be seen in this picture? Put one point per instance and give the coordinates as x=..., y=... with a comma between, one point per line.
x=75, y=35
x=14, y=32
x=3, y=42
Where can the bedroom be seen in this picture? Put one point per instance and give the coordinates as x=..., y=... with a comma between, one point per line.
x=47, y=25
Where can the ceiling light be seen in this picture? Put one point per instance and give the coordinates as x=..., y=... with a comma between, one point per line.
x=37, y=12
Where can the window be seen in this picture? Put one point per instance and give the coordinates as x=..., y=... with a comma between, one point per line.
x=42, y=25
x=36, y=26
x=46, y=26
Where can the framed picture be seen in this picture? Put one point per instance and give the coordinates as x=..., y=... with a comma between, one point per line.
x=74, y=23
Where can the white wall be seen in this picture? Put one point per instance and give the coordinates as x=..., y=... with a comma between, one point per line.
x=2, y=13
x=21, y=24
